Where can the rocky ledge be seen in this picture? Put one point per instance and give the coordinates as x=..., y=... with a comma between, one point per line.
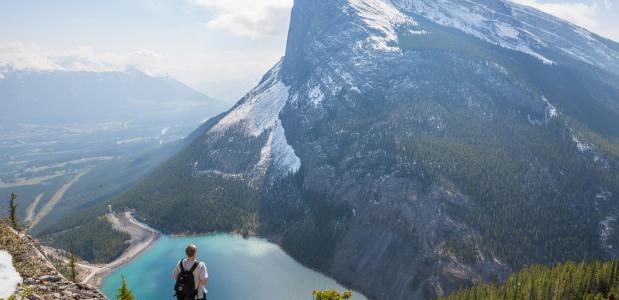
x=49, y=287
x=41, y=280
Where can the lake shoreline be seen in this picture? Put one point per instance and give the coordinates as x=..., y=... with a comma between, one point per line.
x=96, y=279
x=233, y=261
x=143, y=237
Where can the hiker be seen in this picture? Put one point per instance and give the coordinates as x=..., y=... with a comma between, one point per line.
x=191, y=277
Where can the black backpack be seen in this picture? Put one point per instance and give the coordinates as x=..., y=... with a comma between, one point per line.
x=185, y=287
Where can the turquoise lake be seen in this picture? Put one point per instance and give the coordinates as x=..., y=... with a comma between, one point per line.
x=239, y=269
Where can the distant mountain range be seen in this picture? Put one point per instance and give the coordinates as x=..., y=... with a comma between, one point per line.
x=71, y=97
x=410, y=148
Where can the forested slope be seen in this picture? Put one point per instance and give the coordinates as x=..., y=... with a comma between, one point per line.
x=567, y=281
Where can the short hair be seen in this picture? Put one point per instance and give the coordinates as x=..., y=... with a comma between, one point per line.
x=191, y=250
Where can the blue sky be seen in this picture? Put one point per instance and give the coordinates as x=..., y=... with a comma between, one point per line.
x=220, y=47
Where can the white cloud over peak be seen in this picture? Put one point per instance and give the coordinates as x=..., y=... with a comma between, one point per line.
x=30, y=56
x=248, y=18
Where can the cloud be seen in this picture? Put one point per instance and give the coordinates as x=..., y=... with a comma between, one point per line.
x=30, y=56
x=244, y=67
x=581, y=14
x=248, y=18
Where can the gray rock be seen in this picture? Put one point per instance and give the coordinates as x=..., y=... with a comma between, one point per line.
x=34, y=297
x=50, y=278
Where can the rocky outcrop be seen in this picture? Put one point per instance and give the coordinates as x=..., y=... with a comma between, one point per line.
x=41, y=280
x=56, y=287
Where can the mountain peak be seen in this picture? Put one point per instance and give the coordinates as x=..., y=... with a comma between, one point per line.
x=384, y=19
x=381, y=23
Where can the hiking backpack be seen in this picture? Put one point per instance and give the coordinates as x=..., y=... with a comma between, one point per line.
x=185, y=287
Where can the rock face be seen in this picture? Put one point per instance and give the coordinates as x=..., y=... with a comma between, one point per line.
x=409, y=148
x=41, y=280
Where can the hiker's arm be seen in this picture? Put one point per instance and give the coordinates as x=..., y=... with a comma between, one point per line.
x=175, y=273
x=203, y=276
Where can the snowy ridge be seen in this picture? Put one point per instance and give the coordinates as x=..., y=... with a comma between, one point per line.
x=516, y=27
x=475, y=20
x=582, y=145
x=384, y=18
x=259, y=112
x=260, y=109
x=550, y=111
x=278, y=153
x=564, y=37
x=588, y=148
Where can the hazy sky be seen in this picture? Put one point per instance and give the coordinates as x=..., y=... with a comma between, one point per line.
x=220, y=47
x=215, y=46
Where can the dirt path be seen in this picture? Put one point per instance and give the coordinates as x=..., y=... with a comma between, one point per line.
x=32, y=208
x=49, y=206
x=142, y=237
x=84, y=269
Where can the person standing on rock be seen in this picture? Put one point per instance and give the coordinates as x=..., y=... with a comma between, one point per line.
x=191, y=277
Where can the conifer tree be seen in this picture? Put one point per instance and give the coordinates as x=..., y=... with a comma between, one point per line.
x=73, y=266
x=124, y=293
x=594, y=280
x=13, y=211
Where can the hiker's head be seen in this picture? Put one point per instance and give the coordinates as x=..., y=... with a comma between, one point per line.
x=191, y=250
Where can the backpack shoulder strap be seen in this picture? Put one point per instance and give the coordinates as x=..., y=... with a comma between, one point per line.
x=180, y=264
x=195, y=265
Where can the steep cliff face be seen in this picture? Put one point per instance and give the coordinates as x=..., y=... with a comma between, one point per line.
x=40, y=279
x=409, y=148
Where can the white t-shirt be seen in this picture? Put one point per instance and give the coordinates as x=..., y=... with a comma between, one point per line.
x=199, y=274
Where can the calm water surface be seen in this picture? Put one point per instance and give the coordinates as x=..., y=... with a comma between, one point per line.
x=239, y=269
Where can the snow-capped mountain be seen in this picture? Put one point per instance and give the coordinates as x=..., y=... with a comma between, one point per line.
x=519, y=28
x=409, y=148
x=259, y=113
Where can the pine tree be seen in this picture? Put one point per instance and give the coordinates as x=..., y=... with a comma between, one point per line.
x=13, y=211
x=73, y=266
x=124, y=293
x=570, y=280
